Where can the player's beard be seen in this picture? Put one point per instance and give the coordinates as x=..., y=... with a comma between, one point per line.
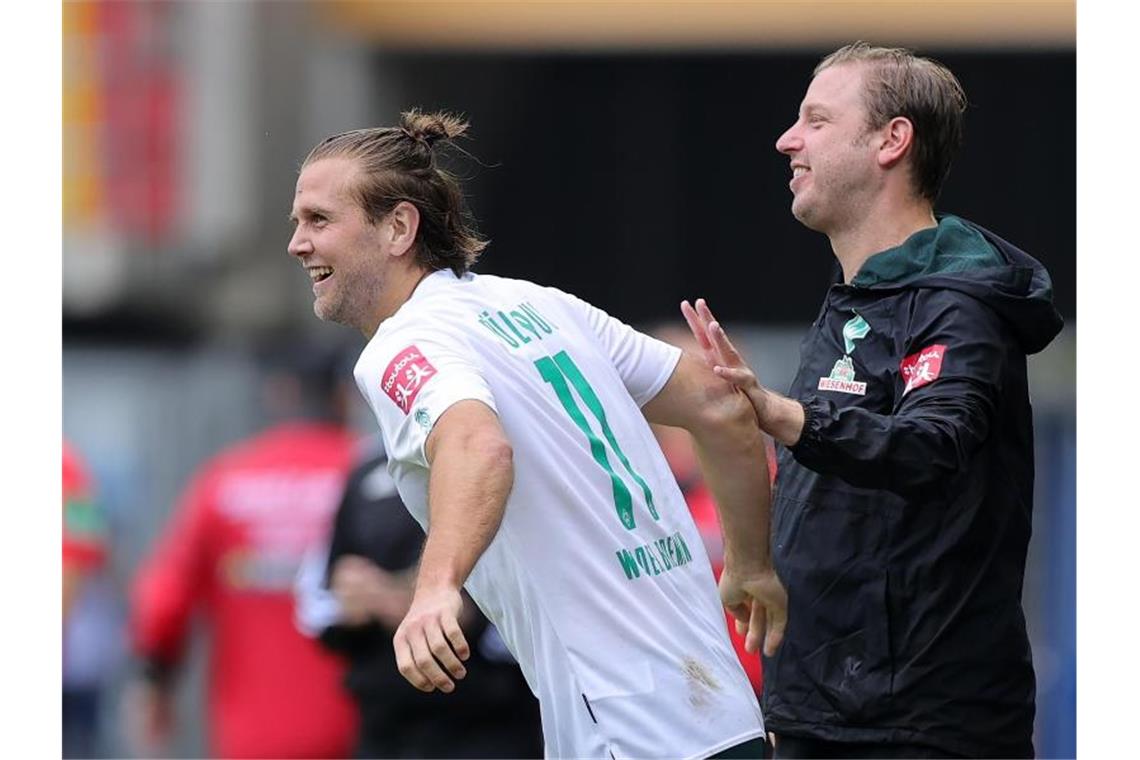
x=836, y=199
x=351, y=300
x=841, y=182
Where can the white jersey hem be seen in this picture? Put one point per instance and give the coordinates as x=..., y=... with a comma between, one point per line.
x=739, y=739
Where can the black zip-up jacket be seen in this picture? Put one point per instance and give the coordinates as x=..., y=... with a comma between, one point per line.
x=902, y=516
x=491, y=713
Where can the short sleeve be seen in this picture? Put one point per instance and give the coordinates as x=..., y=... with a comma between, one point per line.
x=410, y=379
x=644, y=363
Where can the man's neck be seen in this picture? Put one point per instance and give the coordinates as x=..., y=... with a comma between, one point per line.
x=879, y=230
x=396, y=293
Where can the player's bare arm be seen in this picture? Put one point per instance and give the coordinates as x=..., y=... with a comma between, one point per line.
x=471, y=477
x=779, y=416
x=730, y=448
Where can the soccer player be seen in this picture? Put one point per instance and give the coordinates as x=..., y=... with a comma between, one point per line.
x=515, y=419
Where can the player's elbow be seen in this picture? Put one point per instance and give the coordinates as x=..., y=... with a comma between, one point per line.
x=495, y=451
x=470, y=432
x=487, y=449
x=490, y=458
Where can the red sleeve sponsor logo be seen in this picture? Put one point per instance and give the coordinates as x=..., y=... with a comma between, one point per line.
x=922, y=368
x=405, y=375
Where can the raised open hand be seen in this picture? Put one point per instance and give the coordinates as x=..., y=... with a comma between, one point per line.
x=720, y=354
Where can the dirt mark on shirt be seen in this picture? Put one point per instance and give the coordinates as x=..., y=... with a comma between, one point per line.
x=700, y=682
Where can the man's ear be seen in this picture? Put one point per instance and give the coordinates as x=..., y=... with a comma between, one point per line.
x=897, y=138
x=402, y=223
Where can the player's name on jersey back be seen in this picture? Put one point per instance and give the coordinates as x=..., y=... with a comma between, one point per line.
x=505, y=325
x=656, y=557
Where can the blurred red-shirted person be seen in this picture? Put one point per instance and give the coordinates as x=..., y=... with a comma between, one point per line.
x=231, y=553
x=678, y=449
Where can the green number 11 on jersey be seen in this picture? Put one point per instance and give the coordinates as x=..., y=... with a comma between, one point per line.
x=557, y=370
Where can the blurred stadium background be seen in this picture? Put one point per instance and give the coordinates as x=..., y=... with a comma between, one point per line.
x=624, y=153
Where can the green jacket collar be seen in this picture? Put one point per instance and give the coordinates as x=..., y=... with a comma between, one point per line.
x=952, y=246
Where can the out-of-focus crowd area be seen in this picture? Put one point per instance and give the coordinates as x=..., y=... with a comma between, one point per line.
x=623, y=152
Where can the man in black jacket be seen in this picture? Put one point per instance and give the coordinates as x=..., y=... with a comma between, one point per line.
x=353, y=599
x=903, y=502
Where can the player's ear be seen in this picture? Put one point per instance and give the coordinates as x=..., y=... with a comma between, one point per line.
x=402, y=223
x=896, y=138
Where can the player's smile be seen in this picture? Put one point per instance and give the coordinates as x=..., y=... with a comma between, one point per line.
x=319, y=275
x=799, y=171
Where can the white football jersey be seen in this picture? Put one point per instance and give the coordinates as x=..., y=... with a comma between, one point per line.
x=597, y=578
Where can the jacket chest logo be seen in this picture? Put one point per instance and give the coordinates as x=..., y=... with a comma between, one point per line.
x=852, y=331
x=842, y=377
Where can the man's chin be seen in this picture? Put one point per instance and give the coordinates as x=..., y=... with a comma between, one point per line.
x=328, y=313
x=803, y=214
x=324, y=311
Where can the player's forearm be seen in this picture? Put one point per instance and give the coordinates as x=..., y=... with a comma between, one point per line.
x=734, y=462
x=471, y=477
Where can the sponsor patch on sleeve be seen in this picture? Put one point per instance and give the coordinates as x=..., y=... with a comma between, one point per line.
x=921, y=368
x=405, y=375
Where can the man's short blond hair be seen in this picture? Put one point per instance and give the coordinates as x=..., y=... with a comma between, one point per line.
x=900, y=83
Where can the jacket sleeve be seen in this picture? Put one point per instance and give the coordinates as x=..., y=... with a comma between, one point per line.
x=358, y=529
x=315, y=607
x=334, y=635
x=172, y=580
x=947, y=387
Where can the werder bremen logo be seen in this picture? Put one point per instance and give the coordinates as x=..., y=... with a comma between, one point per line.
x=852, y=331
x=842, y=377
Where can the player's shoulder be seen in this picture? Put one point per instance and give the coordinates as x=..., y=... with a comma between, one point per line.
x=494, y=285
x=407, y=341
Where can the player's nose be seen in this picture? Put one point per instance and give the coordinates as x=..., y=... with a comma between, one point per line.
x=790, y=141
x=299, y=244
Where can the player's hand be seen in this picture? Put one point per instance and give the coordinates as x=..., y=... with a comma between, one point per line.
x=430, y=645
x=721, y=356
x=759, y=603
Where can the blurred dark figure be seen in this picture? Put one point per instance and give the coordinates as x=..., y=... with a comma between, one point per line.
x=85, y=628
x=353, y=596
x=230, y=553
